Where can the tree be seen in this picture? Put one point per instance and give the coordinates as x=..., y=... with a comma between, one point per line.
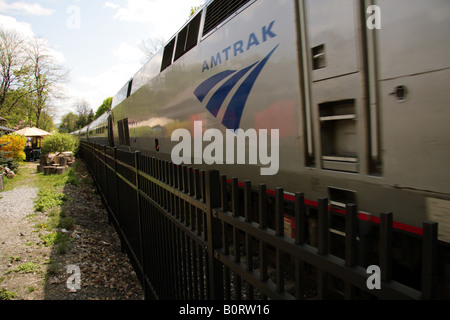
x=83, y=111
x=69, y=122
x=105, y=107
x=13, y=62
x=59, y=142
x=46, y=122
x=194, y=10
x=45, y=75
x=151, y=46
x=30, y=77
x=91, y=116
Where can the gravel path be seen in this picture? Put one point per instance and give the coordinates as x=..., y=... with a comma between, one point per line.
x=17, y=203
x=93, y=245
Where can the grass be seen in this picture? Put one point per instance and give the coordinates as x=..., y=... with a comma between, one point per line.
x=55, y=238
x=50, y=195
x=23, y=176
x=7, y=295
x=29, y=176
x=15, y=259
x=27, y=267
x=49, y=198
x=57, y=218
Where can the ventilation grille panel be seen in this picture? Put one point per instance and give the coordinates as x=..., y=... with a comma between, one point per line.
x=219, y=10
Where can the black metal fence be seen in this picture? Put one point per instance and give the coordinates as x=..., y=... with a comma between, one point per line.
x=194, y=234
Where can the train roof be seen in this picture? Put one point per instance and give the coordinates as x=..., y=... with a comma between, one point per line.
x=100, y=120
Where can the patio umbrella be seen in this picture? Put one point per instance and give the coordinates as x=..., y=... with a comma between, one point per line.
x=33, y=132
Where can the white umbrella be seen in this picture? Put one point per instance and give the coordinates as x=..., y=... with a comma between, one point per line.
x=33, y=132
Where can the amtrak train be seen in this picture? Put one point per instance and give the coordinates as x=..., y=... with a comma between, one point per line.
x=351, y=97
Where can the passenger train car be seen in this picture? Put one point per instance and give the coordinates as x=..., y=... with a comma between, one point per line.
x=359, y=95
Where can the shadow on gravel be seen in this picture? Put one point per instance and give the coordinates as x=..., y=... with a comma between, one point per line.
x=86, y=261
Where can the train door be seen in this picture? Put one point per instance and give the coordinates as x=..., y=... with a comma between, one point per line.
x=414, y=72
x=110, y=131
x=336, y=82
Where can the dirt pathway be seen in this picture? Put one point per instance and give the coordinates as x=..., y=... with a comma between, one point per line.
x=33, y=263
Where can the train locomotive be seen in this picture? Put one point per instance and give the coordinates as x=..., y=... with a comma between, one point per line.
x=360, y=106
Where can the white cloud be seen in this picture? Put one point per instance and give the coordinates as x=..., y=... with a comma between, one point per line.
x=95, y=88
x=23, y=28
x=110, y=5
x=57, y=55
x=24, y=8
x=128, y=53
x=11, y=23
x=167, y=16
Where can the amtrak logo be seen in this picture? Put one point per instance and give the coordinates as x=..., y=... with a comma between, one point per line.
x=233, y=113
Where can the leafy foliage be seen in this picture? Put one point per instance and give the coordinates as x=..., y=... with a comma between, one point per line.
x=194, y=10
x=30, y=78
x=84, y=115
x=105, y=107
x=4, y=160
x=69, y=122
x=12, y=146
x=59, y=142
x=49, y=198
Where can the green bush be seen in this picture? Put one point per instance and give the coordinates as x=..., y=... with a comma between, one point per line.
x=59, y=142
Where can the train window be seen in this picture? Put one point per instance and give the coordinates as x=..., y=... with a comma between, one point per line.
x=124, y=136
x=181, y=42
x=110, y=131
x=120, y=130
x=187, y=38
x=130, y=86
x=194, y=28
x=168, y=53
x=219, y=10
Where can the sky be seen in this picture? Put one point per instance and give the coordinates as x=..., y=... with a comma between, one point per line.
x=98, y=41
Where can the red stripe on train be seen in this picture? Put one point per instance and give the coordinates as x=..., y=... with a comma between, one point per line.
x=361, y=215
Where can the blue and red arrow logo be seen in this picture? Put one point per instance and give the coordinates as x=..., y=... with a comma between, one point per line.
x=233, y=114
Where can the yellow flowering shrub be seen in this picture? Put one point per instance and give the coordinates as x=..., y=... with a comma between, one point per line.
x=15, y=144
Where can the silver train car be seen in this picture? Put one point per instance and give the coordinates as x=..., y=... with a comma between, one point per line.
x=359, y=96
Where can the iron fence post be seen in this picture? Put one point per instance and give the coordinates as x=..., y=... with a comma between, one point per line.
x=214, y=235
x=429, y=260
x=139, y=220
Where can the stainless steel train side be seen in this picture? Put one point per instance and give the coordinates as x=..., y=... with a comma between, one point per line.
x=362, y=113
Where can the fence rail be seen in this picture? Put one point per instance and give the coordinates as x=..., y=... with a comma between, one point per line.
x=194, y=234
